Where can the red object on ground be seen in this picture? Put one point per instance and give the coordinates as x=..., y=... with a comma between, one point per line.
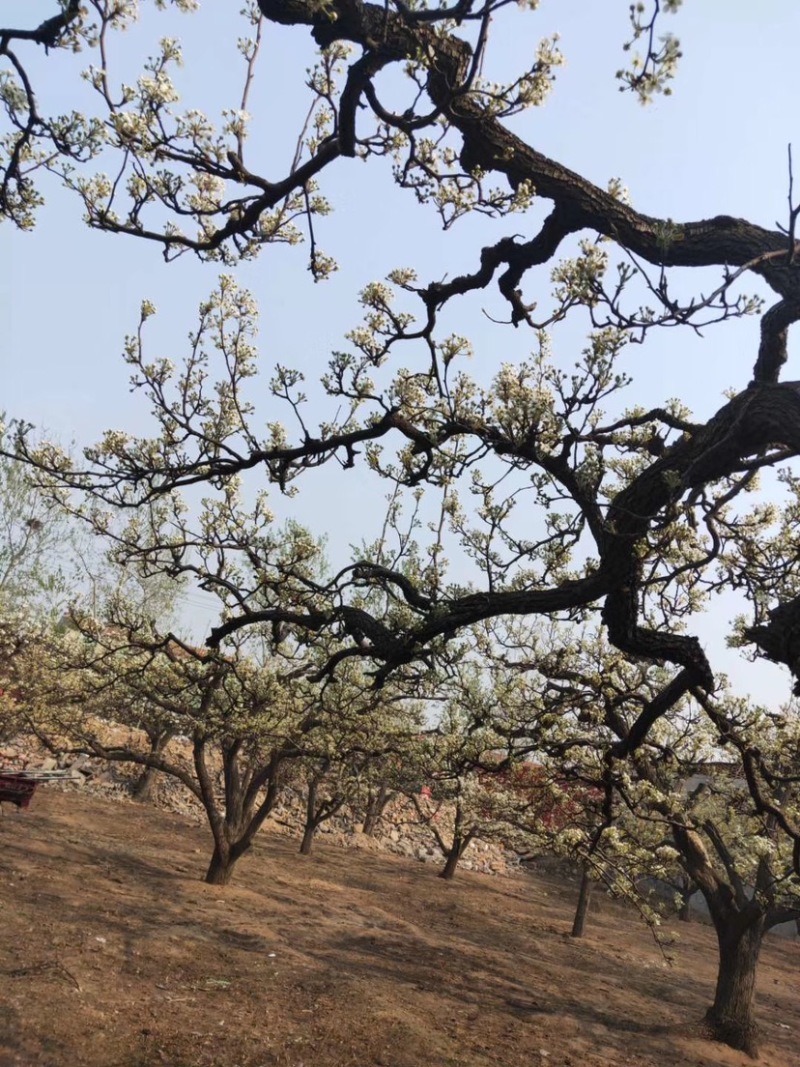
x=17, y=789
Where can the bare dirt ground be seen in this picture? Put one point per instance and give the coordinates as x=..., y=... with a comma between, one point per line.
x=113, y=953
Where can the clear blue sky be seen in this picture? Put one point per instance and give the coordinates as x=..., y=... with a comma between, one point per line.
x=718, y=145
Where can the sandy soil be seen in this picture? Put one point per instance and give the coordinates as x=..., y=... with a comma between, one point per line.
x=114, y=954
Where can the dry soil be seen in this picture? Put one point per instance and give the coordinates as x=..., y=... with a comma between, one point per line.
x=113, y=953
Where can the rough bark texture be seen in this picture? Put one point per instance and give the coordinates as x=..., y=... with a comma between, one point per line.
x=732, y=1015
x=740, y=921
x=779, y=639
x=220, y=869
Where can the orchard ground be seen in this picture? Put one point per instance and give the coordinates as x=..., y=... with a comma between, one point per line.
x=115, y=954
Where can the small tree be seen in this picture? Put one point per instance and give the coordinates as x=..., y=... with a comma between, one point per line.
x=442, y=777
x=378, y=797
x=357, y=730
x=240, y=716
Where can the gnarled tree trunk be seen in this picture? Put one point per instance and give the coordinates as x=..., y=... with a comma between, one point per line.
x=143, y=786
x=235, y=822
x=732, y=1015
x=740, y=921
x=375, y=808
x=223, y=861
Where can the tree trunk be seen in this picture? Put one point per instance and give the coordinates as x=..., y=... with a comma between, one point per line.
x=308, y=839
x=584, y=896
x=449, y=869
x=228, y=850
x=311, y=823
x=457, y=850
x=370, y=822
x=221, y=866
x=375, y=807
x=143, y=786
x=732, y=1016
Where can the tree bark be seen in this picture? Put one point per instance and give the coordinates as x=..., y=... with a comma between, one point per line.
x=375, y=808
x=308, y=839
x=230, y=844
x=739, y=922
x=221, y=866
x=732, y=1015
x=456, y=851
x=143, y=786
x=311, y=822
x=453, y=856
x=584, y=897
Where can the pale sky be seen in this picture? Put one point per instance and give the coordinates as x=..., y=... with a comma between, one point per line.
x=718, y=145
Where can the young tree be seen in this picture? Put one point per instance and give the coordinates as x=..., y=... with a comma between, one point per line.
x=378, y=797
x=492, y=764
x=356, y=732
x=241, y=718
x=451, y=801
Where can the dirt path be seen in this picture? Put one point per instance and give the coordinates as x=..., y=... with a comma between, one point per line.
x=114, y=954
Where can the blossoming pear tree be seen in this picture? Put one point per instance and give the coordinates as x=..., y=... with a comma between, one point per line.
x=682, y=800
x=560, y=490
x=96, y=687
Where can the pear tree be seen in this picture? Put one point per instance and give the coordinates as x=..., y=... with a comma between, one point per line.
x=99, y=684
